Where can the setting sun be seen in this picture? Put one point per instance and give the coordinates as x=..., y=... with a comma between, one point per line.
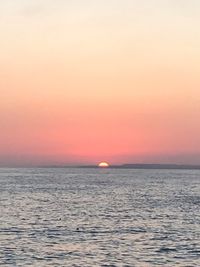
x=103, y=165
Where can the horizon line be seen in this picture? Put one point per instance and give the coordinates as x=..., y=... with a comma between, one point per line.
x=113, y=166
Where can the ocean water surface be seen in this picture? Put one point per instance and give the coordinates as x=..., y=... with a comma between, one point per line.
x=99, y=217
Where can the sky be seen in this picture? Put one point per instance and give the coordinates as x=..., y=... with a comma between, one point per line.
x=84, y=81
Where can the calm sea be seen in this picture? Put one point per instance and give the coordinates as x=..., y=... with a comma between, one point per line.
x=99, y=217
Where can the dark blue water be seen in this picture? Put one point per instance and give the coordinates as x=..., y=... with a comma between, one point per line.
x=99, y=217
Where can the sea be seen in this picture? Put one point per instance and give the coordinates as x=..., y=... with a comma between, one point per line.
x=82, y=217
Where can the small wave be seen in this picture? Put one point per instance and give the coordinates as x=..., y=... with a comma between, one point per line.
x=166, y=250
x=120, y=231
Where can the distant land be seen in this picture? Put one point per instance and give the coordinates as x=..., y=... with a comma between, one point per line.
x=137, y=166
x=151, y=166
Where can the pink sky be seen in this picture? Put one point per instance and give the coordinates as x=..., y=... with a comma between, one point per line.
x=88, y=81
